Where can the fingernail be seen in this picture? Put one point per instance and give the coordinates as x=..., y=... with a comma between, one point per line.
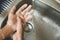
x=25, y=4
x=30, y=5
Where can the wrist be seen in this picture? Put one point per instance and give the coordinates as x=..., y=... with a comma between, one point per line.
x=7, y=30
x=11, y=27
x=2, y=36
x=10, y=24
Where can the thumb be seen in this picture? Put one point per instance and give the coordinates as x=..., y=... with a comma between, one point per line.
x=19, y=24
x=19, y=29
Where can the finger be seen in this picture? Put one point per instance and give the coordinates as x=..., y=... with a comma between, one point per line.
x=21, y=16
x=12, y=10
x=11, y=13
x=19, y=28
x=29, y=18
x=30, y=13
x=27, y=9
x=21, y=8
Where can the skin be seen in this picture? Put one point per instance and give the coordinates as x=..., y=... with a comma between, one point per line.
x=19, y=34
x=22, y=14
x=17, y=21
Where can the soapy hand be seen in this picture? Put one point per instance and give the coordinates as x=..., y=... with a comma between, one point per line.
x=18, y=35
x=22, y=13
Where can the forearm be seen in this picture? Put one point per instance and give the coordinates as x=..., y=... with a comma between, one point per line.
x=1, y=35
x=6, y=31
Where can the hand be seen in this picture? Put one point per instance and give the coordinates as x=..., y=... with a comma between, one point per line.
x=22, y=13
x=19, y=33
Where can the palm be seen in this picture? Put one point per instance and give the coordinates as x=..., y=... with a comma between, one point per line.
x=12, y=18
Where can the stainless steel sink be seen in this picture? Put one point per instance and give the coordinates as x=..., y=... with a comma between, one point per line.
x=45, y=23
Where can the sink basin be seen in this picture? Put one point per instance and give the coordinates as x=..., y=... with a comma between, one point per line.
x=45, y=23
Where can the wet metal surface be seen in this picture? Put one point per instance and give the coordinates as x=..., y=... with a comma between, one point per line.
x=46, y=23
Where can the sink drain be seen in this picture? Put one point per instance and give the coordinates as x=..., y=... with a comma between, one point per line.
x=29, y=27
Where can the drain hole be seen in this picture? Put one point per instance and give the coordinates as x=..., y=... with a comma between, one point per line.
x=29, y=27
